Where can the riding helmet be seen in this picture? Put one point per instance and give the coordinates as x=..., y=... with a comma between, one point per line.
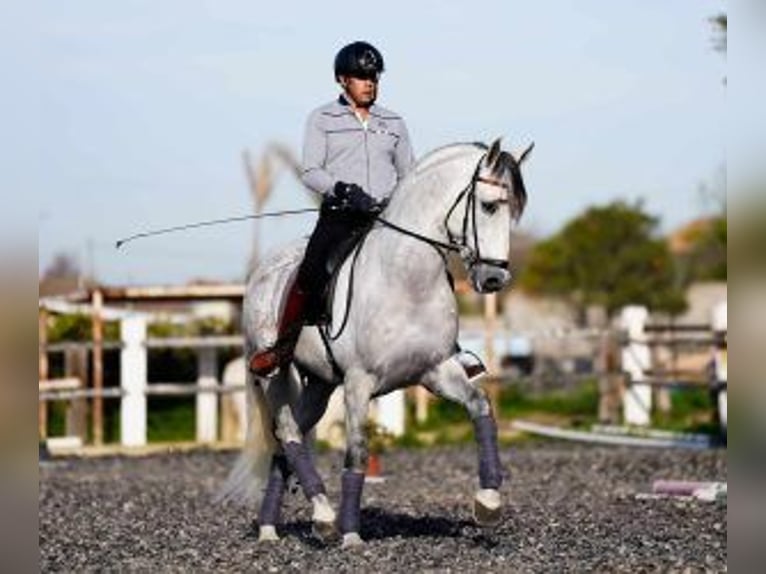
x=358, y=60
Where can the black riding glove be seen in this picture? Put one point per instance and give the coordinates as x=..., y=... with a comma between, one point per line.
x=354, y=197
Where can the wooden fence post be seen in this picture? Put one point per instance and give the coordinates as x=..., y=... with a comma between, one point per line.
x=637, y=400
x=422, y=397
x=76, y=367
x=234, y=405
x=207, y=402
x=42, y=370
x=98, y=367
x=662, y=399
x=491, y=383
x=133, y=381
x=609, y=383
x=490, y=329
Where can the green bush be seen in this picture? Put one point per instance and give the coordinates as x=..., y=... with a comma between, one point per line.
x=409, y=439
x=582, y=401
x=171, y=419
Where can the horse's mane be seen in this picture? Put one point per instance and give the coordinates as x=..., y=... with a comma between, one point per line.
x=439, y=155
x=505, y=166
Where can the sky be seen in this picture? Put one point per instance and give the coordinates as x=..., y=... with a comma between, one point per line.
x=133, y=115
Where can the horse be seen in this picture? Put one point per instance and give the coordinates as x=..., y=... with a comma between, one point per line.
x=394, y=323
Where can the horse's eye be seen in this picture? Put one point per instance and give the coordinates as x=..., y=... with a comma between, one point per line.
x=489, y=207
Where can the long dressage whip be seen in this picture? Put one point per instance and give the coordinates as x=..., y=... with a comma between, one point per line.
x=210, y=222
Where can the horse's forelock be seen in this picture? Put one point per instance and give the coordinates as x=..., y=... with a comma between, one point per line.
x=506, y=166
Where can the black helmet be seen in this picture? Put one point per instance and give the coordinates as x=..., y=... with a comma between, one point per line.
x=359, y=60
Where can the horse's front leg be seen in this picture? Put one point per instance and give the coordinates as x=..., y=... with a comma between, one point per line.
x=358, y=388
x=448, y=380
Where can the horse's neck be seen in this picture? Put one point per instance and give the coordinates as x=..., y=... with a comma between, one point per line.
x=423, y=199
x=411, y=267
x=421, y=205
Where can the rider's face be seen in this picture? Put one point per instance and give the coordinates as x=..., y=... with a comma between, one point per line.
x=361, y=91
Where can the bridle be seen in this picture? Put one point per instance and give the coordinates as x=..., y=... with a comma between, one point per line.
x=470, y=256
x=460, y=244
x=473, y=256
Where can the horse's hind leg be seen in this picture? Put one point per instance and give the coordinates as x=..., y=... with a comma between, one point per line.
x=311, y=405
x=448, y=380
x=271, y=504
x=296, y=453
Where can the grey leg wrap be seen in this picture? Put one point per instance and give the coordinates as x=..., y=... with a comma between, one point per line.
x=490, y=470
x=351, y=500
x=272, y=497
x=298, y=456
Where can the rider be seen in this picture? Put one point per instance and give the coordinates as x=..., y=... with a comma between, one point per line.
x=355, y=153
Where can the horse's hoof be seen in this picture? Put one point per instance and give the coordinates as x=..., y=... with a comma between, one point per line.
x=268, y=533
x=352, y=540
x=486, y=507
x=326, y=531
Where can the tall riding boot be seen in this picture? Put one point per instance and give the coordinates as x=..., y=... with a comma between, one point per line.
x=264, y=362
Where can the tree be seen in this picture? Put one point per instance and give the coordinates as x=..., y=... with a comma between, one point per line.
x=720, y=35
x=63, y=266
x=607, y=256
x=706, y=258
x=720, y=31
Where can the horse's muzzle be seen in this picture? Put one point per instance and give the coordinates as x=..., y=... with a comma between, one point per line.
x=489, y=278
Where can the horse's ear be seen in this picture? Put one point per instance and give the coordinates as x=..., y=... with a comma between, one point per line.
x=494, y=152
x=526, y=152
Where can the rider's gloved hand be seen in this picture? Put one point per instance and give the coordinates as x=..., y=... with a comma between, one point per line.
x=356, y=198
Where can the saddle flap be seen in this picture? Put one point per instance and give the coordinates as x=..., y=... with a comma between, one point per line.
x=320, y=309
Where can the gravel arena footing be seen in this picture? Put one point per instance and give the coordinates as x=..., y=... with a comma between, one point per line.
x=567, y=508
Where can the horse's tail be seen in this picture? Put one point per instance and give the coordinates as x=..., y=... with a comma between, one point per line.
x=247, y=479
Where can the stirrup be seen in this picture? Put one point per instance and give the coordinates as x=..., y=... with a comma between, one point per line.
x=472, y=365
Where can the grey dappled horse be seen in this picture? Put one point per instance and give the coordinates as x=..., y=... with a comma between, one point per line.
x=401, y=329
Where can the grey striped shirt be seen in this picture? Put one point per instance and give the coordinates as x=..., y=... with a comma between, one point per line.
x=338, y=147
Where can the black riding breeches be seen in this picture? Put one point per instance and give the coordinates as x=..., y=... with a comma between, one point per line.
x=333, y=228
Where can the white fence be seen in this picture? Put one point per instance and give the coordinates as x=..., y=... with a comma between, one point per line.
x=639, y=359
x=135, y=389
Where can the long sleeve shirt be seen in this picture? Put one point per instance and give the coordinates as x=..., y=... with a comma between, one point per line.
x=338, y=146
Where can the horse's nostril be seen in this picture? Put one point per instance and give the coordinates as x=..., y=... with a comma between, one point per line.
x=493, y=284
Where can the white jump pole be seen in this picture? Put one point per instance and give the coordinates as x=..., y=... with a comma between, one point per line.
x=719, y=324
x=207, y=402
x=133, y=381
x=391, y=411
x=636, y=360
